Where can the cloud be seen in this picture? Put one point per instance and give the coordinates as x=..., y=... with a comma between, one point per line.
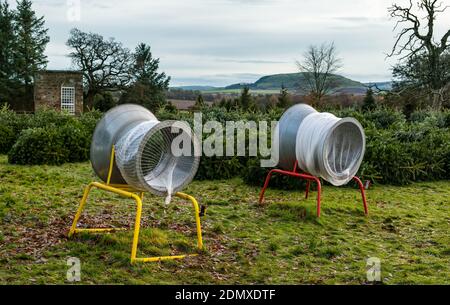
x=250, y=61
x=200, y=39
x=356, y=19
x=251, y=2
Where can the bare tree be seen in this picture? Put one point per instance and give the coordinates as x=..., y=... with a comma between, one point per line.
x=416, y=40
x=105, y=63
x=319, y=64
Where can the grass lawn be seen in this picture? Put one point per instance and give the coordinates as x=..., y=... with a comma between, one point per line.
x=408, y=229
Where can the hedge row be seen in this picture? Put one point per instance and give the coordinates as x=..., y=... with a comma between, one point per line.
x=48, y=137
x=399, y=151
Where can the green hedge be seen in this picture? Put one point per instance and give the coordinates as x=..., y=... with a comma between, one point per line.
x=47, y=137
x=407, y=153
x=69, y=143
x=11, y=124
x=399, y=150
x=39, y=146
x=77, y=141
x=7, y=138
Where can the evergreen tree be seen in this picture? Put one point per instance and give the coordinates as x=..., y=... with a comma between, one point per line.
x=145, y=68
x=231, y=104
x=104, y=102
x=223, y=103
x=369, y=102
x=149, y=86
x=246, y=99
x=283, y=99
x=6, y=41
x=141, y=94
x=234, y=104
x=31, y=41
x=199, y=102
x=169, y=107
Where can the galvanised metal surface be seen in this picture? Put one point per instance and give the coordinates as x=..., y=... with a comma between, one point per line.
x=115, y=124
x=146, y=158
x=286, y=133
x=324, y=145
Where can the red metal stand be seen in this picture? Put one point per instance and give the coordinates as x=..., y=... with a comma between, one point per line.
x=309, y=178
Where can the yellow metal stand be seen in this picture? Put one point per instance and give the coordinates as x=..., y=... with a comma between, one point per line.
x=128, y=192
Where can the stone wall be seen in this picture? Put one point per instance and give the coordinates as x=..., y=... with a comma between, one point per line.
x=47, y=89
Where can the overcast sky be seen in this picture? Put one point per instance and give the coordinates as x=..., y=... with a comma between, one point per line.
x=219, y=42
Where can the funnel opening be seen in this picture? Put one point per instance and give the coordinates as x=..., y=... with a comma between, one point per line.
x=168, y=158
x=344, y=150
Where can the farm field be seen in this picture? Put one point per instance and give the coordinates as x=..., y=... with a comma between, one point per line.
x=238, y=91
x=280, y=243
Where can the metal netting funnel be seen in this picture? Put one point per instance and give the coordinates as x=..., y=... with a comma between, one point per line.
x=148, y=159
x=324, y=145
x=159, y=157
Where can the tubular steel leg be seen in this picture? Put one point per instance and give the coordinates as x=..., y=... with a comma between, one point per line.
x=197, y=217
x=363, y=194
x=266, y=184
x=73, y=228
x=308, y=184
x=319, y=190
x=310, y=178
x=297, y=175
x=137, y=225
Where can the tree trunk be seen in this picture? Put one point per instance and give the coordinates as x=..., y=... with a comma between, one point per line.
x=89, y=101
x=28, y=103
x=437, y=103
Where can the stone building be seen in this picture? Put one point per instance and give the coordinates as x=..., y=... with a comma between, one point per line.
x=60, y=90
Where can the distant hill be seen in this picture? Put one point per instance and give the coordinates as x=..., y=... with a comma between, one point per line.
x=294, y=82
x=297, y=82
